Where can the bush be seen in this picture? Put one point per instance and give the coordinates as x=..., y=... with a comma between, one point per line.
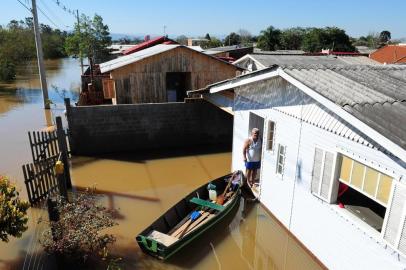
x=7, y=71
x=13, y=211
x=78, y=233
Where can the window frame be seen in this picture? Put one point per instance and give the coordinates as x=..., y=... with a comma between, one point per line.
x=278, y=160
x=270, y=147
x=361, y=190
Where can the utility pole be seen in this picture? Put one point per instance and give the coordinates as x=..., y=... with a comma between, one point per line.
x=80, y=51
x=40, y=56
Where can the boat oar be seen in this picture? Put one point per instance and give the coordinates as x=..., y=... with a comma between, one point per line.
x=220, y=198
x=193, y=217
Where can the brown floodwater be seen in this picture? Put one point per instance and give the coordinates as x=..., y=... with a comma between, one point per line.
x=139, y=187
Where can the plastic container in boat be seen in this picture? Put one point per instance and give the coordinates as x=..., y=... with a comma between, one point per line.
x=212, y=194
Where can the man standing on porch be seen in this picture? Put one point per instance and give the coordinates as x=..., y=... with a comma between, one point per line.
x=252, y=155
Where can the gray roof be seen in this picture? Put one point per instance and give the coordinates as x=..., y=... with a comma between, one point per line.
x=227, y=48
x=277, y=52
x=375, y=95
x=135, y=57
x=269, y=60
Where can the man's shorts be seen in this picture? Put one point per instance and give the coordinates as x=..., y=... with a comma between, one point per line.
x=252, y=165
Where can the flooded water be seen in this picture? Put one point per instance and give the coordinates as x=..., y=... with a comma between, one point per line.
x=140, y=188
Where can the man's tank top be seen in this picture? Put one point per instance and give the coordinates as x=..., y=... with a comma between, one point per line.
x=254, y=150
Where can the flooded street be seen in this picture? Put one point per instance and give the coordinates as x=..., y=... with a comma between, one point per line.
x=140, y=187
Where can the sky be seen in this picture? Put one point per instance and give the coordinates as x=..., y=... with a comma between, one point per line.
x=220, y=17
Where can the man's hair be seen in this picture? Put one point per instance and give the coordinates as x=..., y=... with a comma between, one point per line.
x=255, y=130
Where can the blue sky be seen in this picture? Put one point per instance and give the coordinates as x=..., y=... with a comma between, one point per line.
x=219, y=17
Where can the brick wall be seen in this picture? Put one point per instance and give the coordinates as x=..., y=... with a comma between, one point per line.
x=135, y=127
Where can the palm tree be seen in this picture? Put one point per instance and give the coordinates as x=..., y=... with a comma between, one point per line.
x=269, y=39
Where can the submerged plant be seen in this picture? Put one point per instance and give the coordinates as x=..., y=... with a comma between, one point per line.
x=13, y=211
x=78, y=232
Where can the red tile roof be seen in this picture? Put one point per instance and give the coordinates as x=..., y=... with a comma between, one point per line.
x=390, y=54
x=149, y=43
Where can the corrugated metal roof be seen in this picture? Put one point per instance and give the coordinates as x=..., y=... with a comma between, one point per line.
x=149, y=43
x=286, y=60
x=134, y=57
x=375, y=95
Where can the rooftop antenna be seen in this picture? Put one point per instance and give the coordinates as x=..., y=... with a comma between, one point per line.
x=164, y=30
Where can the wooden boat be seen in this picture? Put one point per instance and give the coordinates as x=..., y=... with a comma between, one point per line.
x=191, y=217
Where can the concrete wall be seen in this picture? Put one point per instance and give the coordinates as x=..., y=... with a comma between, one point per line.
x=127, y=128
x=332, y=234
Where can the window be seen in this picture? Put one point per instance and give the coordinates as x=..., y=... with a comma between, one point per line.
x=271, y=134
x=324, y=184
x=366, y=180
x=280, y=164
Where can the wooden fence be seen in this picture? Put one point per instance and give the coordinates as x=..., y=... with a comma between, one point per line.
x=41, y=179
x=44, y=145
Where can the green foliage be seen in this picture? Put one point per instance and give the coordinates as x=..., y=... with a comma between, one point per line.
x=384, y=37
x=17, y=45
x=7, y=70
x=371, y=41
x=232, y=39
x=292, y=38
x=269, y=39
x=331, y=38
x=246, y=37
x=79, y=232
x=91, y=37
x=13, y=211
x=212, y=43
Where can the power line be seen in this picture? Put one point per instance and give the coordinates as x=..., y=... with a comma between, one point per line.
x=51, y=13
x=64, y=8
x=49, y=19
x=24, y=6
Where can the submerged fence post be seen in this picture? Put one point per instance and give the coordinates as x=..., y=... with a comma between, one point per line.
x=63, y=148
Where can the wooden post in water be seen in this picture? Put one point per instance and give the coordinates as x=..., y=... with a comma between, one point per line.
x=40, y=56
x=63, y=148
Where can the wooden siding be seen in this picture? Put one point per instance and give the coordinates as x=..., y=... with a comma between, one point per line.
x=145, y=80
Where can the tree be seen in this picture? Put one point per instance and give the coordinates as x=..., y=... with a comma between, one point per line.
x=232, y=39
x=384, y=37
x=91, y=38
x=212, y=43
x=269, y=39
x=246, y=37
x=292, y=38
x=13, y=211
x=331, y=38
x=207, y=36
x=182, y=39
x=79, y=233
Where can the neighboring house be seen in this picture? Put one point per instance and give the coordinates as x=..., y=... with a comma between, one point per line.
x=252, y=62
x=333, y=136
x=228, y=53
x=161, y=73
x=149, y=43
x=364, y=50
x=390, y=54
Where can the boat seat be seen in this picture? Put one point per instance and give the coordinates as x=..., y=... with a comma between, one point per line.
x=163, y=238
x=208, y=204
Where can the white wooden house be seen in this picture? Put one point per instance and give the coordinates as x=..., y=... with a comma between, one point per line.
x=322, y=126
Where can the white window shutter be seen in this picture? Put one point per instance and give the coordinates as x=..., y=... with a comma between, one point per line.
x=324, y=183
x=317, y=163
x=394, y=232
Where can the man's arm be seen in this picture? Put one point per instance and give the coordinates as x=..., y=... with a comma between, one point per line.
x=245, y=149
